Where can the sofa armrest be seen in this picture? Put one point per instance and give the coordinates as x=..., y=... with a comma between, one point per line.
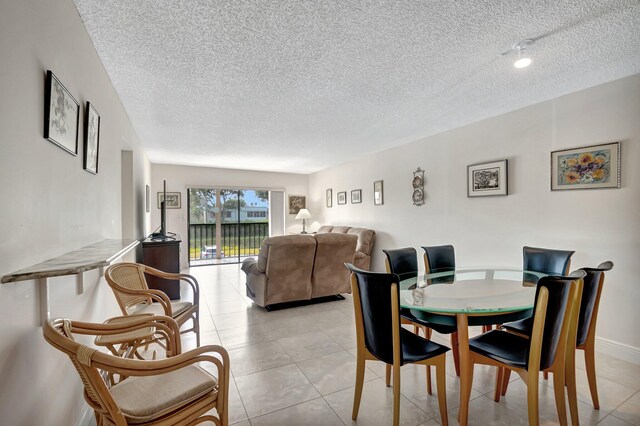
x=249, y=265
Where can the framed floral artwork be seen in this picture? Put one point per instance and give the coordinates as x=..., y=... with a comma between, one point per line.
x=356, y=196
x=329, y=196
x=589, y=167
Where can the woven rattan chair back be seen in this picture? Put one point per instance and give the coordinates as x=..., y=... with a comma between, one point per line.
x=130, y=276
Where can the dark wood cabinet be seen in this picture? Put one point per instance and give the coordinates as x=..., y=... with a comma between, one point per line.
x=165, y=256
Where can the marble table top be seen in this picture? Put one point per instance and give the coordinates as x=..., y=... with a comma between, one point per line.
x=84, y=259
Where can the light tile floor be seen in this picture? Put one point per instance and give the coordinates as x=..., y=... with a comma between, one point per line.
x=297, y=367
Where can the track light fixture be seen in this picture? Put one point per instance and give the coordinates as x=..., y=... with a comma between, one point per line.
x=522, y=60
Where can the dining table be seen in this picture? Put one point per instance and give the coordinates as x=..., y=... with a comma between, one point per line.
x=470, y=296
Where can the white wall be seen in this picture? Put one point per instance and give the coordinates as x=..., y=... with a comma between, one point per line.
x=51, y=205
x=598, y=224
x=179, y=178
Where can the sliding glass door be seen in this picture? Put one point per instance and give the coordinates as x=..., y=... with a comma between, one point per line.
x=226, y=225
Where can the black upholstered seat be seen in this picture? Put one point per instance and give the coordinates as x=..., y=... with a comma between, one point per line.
x=380, y=336
x=501, y=346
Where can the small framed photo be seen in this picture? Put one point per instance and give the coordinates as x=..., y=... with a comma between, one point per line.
x=487, y=179
x=378, y=194
x=91, y=139
x=356, y=196
x=173, y=200
x=342, y=197
x=297, y=202
x=329, y=197
x=147, y=199
x=589, y=167
x=61, y=115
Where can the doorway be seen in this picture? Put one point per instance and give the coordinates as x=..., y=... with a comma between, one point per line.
x=226, y=225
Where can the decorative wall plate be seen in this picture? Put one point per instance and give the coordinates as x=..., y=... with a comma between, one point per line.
x=418, y=187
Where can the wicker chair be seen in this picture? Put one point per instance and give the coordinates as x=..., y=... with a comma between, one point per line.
x=134, y=296
x=171, y=391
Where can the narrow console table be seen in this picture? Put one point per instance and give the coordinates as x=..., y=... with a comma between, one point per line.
x=97, y=255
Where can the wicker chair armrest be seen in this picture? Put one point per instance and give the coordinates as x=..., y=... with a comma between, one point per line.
x=133, y=367
x=166, y=326
x=189, y=279
x=157, y=295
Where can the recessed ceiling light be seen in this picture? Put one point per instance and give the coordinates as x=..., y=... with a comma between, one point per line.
x=522, y=62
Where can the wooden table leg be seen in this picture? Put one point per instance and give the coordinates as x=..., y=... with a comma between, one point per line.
x=466, y=375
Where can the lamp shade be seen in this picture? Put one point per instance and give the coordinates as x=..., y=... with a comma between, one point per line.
x=303, y=214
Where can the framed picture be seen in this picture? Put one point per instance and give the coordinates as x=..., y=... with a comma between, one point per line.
x=61, y=115
x=487, y=179
x=378, y=195
x=589, y=167
x=342, y=197
x=91, y=139
x=329, y=197
x=173, y=200
x=147, y=201
x=356, y=196
x=297, y=202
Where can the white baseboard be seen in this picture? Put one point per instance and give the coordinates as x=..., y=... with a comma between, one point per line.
x=618, y=350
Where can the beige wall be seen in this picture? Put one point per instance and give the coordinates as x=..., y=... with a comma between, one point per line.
x=50, y=205
x=180, y=178
x=599, y=224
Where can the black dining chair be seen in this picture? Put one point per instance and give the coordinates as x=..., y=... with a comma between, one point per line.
x=585, y=336
x=404, y=263
x=439, y=258
x=544, y=350
x=380, y=336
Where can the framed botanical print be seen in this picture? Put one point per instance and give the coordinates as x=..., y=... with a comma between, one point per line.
x=297, y=202
x=173, y=200
x=356, y=196
x=378, y=195
x=91, y=139
x=329, y=196
x=589, y=167
x=487, y=179
x=61, y=115
x=342, y=197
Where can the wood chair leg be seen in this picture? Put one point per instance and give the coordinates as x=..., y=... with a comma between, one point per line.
x=456, y=352
x=359, y=383
x=572, y=392
x=498, y=388
x=387, y=375
x=396, y=394
x=590, y=364
x=427, y=335
x=545, y=375
x=441, y=383
x=196, y=326
x=532, y=398
x=558, y=390
x=505, y=381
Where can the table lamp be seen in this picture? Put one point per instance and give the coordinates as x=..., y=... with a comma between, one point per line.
x=304, y=215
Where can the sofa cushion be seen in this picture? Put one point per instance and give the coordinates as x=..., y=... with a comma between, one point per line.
x=365, y=239
x=340, y=229
x=324, y=229
x=330, y=276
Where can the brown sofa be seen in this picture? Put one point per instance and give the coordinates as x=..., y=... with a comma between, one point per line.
x=365, y=242
x=300, y=267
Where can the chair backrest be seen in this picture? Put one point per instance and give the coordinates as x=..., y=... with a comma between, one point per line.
x=592, y=289
x=549, y=261
x=439, y=258
x=402, y=262
x=372, y=306
x=556, y=316
x=130, y=276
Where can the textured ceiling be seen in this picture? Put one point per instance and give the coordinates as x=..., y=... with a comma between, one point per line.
x=301, y=85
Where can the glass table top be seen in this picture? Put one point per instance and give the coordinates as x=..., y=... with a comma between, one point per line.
x=470, y=291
